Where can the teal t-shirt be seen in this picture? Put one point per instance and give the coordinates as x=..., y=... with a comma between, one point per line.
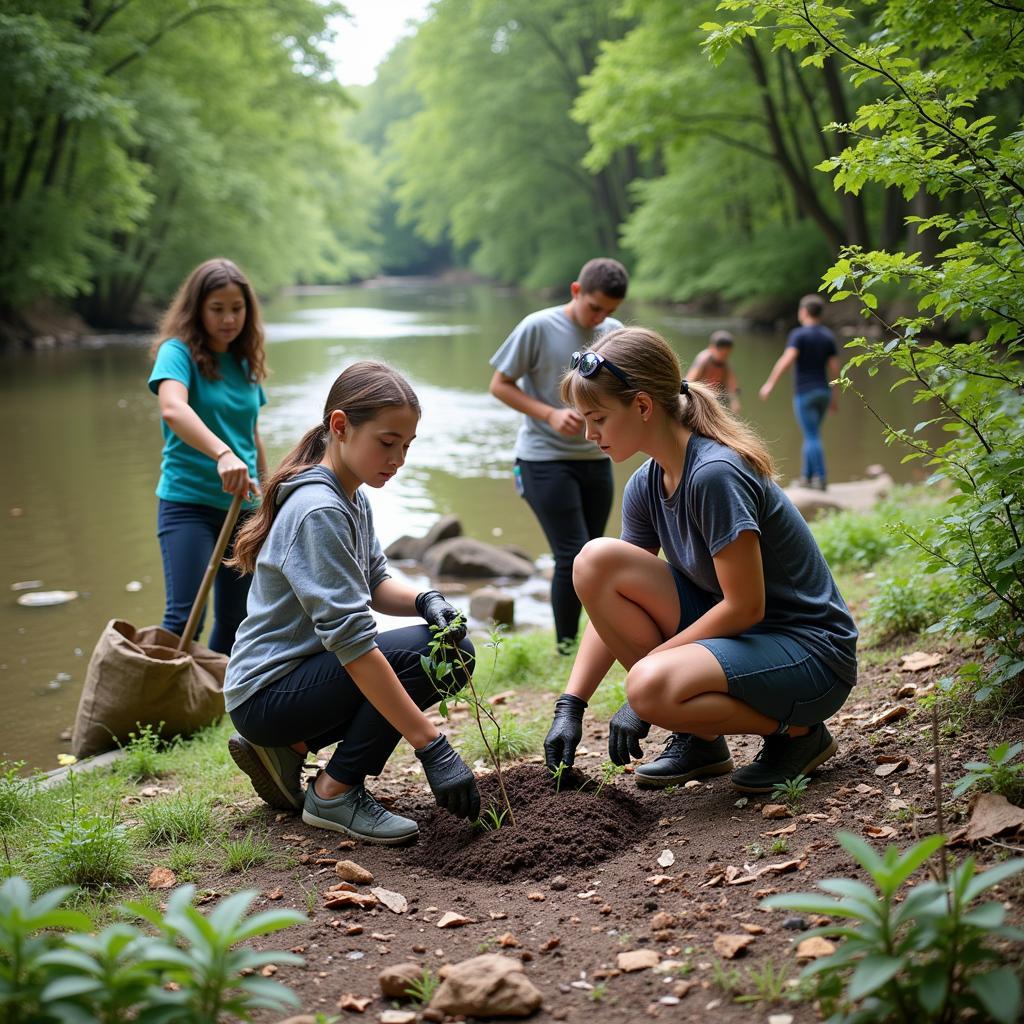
x=229, y=407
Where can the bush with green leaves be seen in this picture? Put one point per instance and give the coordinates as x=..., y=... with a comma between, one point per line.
x=996, y=775
x=142, y=754
x=89, y=850
x=902, y=604
x=857, y=540
x=934, y=124
x=920, y=957
x=54, y=967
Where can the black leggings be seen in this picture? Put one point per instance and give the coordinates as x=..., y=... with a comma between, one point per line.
x=319, y=704
x=571, y=499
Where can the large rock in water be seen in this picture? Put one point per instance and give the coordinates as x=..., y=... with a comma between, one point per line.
x=463, y=556
x=414, y=548
x=487, y=986
x=489, y=604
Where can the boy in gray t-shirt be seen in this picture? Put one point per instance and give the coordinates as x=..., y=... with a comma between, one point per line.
x=565, y=479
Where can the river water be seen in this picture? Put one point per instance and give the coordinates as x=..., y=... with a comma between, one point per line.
x=81, y=444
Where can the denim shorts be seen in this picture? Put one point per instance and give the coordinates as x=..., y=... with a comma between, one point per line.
x=772, y=672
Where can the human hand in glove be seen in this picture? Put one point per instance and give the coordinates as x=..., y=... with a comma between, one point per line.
x=436, y=611
x=625, y=731
x=565, y=733
x=450, y=779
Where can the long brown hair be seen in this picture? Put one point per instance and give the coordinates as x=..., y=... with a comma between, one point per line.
x=652, y=367
x=184, y=320
x=361, y=390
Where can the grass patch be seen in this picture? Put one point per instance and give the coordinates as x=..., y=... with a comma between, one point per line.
x=247, y=852
x=519, y=737
x=15, y=794
x=185, y=817
x=91, y=851
x=143, y=755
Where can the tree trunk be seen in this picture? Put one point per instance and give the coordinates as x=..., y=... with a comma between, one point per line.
x=855, y=221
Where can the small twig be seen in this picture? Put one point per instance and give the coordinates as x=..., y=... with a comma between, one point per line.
x=937, y=780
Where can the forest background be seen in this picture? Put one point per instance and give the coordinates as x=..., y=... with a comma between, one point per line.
x=515, y=138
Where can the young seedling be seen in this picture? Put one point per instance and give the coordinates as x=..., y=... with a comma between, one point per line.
x=608, y=772
x=770, y=984
x=422, y=989
x=557, y=773
x=791, y=791
x=779, y=845
x=439, y=666
x=491, y=820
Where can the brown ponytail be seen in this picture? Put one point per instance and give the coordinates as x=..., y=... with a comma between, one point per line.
x=362, y=390
x=652, y=367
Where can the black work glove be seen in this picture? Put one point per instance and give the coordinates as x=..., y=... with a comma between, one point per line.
x=436, y=611
x=565, y=733
x=625, y=731
x=450, y=779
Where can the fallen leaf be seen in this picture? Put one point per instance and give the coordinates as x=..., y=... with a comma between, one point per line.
x=347, y=844
x=394, y=901
x=786, y=830
x=884, y=770
x=350, y=871
x=736, y=876
x=907, y=690
x=919, y=661
x=814, y=948
x=666, y=859
x=880, y=831
x=586, y=895
x=781, y=868
x=991, y=815
x=162, y=878
x=497, y=915
x=452, y=920
x=890, y=714
x=354, y=1004
x=294, y=837
x=275, y=894
x=553, y=943
x=535, y=897
x=712, y=882
x=637, y=960
x=729, y=946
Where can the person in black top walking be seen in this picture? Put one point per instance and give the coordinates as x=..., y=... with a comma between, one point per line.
x=812, y=347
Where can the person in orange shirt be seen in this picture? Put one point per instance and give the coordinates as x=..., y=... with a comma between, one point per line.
x=712, y=367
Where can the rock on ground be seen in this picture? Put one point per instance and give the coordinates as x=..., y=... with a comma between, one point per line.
x=853, y=494
x=489, y=604
x=464, y=556
x=487, y=986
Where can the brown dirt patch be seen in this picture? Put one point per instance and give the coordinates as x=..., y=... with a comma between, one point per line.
x=574, y=828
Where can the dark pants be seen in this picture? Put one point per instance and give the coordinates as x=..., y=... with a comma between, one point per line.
x=188, y=534
x=571, y=499
x=318, y=704
x=810, y=408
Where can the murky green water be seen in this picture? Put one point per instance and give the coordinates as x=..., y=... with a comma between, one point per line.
x=81, y=446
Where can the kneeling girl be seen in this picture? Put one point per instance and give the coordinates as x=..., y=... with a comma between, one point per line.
x=741, y=629
x=309, y=668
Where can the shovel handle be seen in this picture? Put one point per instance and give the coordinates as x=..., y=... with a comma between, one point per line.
x=211, y=571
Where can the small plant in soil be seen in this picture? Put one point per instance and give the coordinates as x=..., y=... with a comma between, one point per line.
x=557, y=773
x=422, y=989
x=728, y=979
x=491, y=820
x=997, y=775
x=180, y=818
x=439, y=664
x=791, y=792
x=247, y=852
x=769, y=984
x=609, y=770
x=755, y=851
x=141, y=754
x=598, y=992
x=15, y=793
x=779, y=845
x=920, y=956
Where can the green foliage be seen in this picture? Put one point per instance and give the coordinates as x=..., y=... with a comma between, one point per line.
x=557, y=773
x=190, y=972
x=422, y=989
x=183, y=817
x=88, y=850
x=15, y=793
x=768, y=984
x=609, y=771
x=902, y=604
x=509, y=736
x=247, y=852
x=997, y=774
x=861, y=539
x=778, y=846
x=791, y=792
x=491, y=819
x=142, y=754
x=919, y=956
x=934, y=126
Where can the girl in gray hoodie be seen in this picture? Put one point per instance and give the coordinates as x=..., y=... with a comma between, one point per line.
x=309, y=667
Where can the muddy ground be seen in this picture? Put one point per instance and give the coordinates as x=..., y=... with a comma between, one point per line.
x=579, y=879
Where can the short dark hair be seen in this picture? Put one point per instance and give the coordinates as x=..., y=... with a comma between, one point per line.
x=813, y=305
x=721, y=338
x=604, y=275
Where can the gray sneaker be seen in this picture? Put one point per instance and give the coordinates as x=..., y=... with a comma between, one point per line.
x=275, y=772
x=358, y=814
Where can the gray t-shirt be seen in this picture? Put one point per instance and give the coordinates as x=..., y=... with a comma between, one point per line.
x=536, y=355
x=719, y=497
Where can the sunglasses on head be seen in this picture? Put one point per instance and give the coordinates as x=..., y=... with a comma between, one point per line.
x=588, y=363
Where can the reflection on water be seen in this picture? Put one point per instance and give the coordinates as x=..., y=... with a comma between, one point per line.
x=82, y=444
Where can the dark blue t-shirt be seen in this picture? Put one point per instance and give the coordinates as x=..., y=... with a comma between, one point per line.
x=815, y=344
x=719, y=497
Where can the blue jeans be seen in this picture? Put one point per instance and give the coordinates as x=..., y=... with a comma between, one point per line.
x=810, y=408
x=188, y=534
x=318, y=703
x=773, y=673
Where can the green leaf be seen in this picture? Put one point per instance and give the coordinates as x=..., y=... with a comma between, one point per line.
x=872, y=973
x=999, y=993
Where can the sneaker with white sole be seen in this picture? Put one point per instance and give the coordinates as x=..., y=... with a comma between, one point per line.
x=358, y=814
x=275, y=772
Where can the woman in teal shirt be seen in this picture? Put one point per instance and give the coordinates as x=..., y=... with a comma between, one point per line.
x=208, y=365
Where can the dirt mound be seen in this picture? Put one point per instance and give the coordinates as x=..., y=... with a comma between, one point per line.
x=554, y=832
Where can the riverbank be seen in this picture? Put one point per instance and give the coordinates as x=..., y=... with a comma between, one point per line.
x=566, y=909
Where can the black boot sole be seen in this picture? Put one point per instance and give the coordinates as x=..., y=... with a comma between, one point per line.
x=819, y=760
x=662, y=781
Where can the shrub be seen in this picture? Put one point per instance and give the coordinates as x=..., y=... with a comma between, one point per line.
x=88, y=850
x=919, y=957
x=903, y=605
x=857, y=540
x=997, y=775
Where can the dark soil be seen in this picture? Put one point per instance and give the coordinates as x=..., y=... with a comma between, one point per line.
x=554, y=831
x=613, y=894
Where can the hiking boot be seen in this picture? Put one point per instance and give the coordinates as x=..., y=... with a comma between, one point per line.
x=275, y=772
x=685, y=757
x=782, y=758
x=358, y=814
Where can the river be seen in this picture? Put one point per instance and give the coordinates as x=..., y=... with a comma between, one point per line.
x=82, y=441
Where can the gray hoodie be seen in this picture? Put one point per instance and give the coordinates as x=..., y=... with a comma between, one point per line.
x=311, y=589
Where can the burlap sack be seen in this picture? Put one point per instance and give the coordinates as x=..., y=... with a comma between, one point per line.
x=137, y=676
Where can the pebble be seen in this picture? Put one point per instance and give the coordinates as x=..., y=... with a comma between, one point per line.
x=795, y=924
x=558, y=883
